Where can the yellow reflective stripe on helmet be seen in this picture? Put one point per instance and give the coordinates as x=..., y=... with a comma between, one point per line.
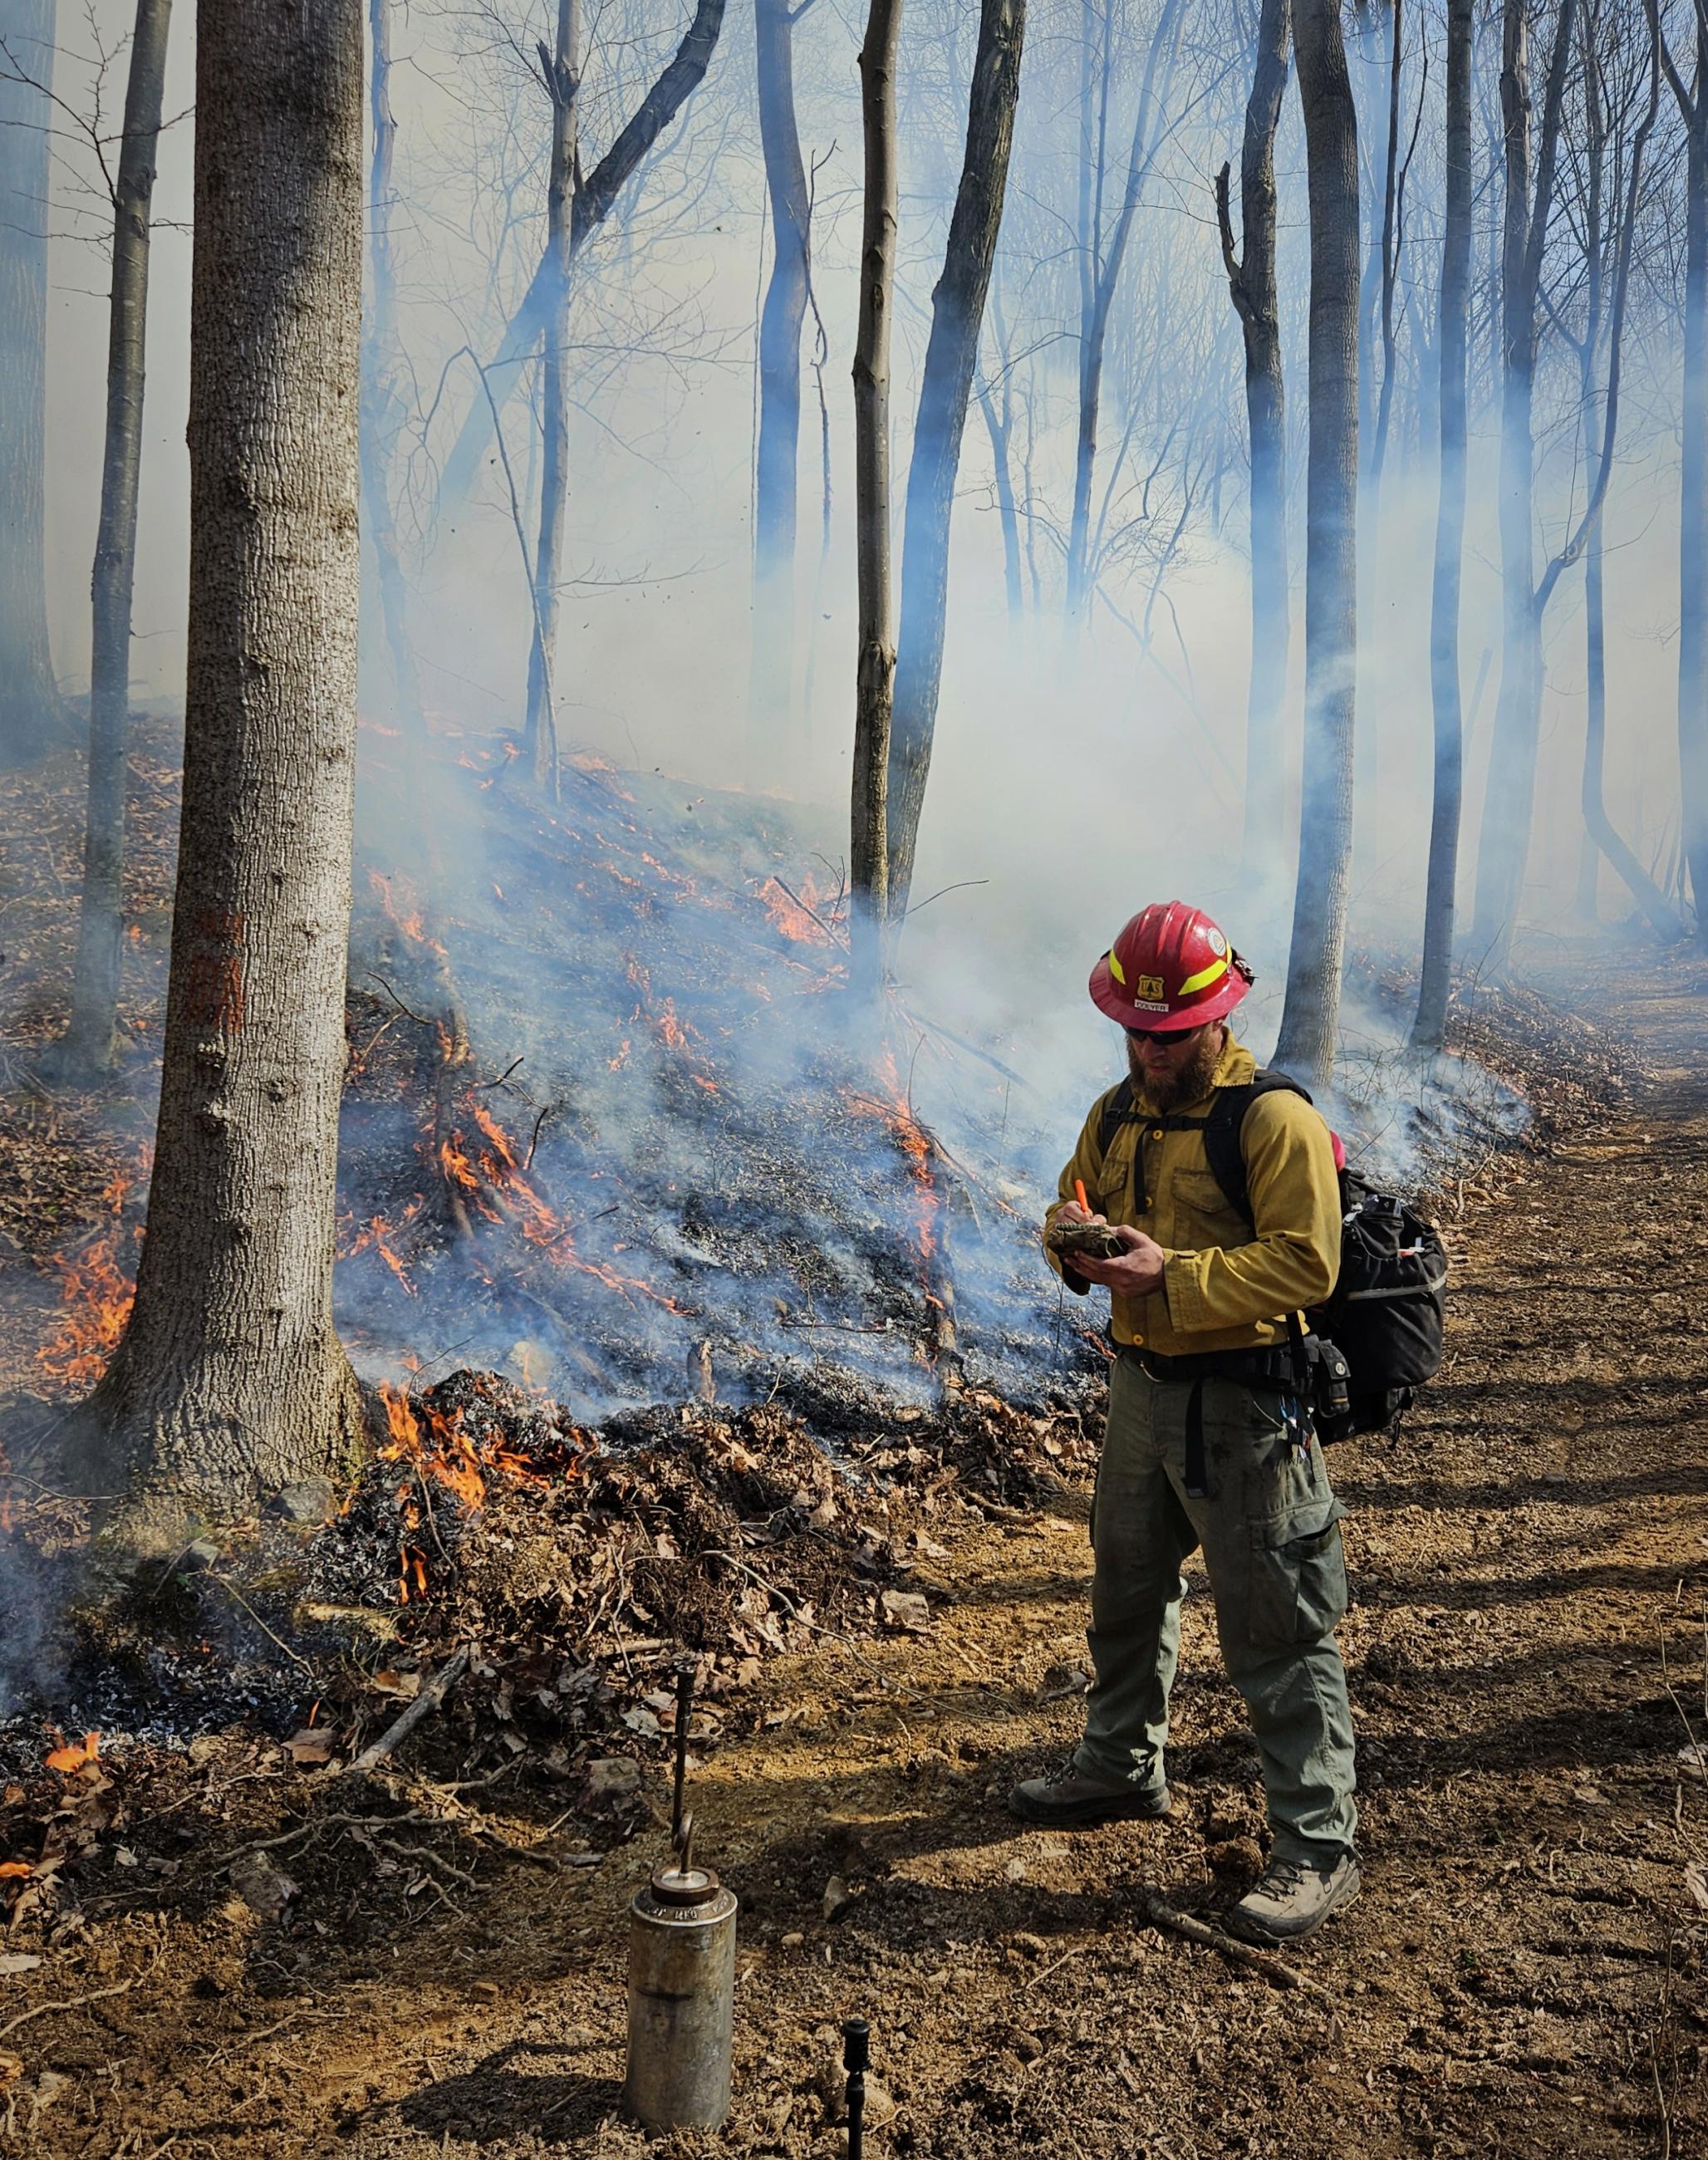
x=1204, y=977
x=1116, y=968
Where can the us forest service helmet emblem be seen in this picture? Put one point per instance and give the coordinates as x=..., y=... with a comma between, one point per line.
x=1148, y=990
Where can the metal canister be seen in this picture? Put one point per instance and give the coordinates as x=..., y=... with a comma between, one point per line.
x=682, y=1999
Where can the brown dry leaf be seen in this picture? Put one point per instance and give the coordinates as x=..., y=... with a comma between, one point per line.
x=310, y=1748
x=1696, y=1883
x=405, y=1686
x=905, y=1609
x=11, y=2068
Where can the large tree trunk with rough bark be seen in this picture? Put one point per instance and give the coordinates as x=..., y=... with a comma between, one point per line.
x=951, y=356
x=771, y=668
x=874, y=676
x=91, y=1039
x=561, y=68
x=231, y=1378
x=32, y=717
x=1504, y=841
x=1251, y=281
x=1310, y=1015
x=1441, y=878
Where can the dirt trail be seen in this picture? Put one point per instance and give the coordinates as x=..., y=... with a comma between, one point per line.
x=1523, y=1974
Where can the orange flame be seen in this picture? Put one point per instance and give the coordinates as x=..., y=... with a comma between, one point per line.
x=796, y=918
x=97, y=1293
x=66, y=1759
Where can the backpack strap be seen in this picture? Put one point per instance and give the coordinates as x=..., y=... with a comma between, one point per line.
x=1221, y=1126
x=1223, y=1130
x=1121, y=1109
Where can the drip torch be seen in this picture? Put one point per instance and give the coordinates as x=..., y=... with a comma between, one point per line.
x=682, y=1975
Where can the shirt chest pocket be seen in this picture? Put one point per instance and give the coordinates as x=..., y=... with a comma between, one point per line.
x=1114, y=1189
x=1198, y=1198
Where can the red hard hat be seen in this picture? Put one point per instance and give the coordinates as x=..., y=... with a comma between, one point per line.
x=1169, y=969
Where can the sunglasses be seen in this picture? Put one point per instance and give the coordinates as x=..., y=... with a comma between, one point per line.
x=1159, y=1034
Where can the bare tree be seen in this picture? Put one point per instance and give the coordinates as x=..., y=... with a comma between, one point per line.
x=1452, y=331
x=1504, y=841
x=384, y=398
x=31, y=714
x=92, y=1038
x=560, y=70
x=595, y=196
x=1251, y=281
x=1101, y=264
x=875, y=681
x=1311, y=1013
x=1692, y=101
x=772, y=666
x=230, y=1377
x=958, y=314
x=1605, y=126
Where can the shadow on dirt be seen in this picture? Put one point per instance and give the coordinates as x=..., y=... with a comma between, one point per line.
x=498, y=2098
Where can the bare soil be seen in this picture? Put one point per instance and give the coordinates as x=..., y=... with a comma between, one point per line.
x=1523, y=1973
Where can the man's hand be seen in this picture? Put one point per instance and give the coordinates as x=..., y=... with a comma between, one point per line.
x=1138, y=1270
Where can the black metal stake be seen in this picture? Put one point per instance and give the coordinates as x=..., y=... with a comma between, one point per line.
x=680, y=1824
x=856, y=2053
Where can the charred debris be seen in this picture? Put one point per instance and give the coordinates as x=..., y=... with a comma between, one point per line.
x=608, y=1142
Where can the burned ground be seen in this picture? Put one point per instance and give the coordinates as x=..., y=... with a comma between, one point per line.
x=217, y=1939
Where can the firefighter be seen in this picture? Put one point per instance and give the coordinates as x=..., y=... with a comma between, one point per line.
x=1208, y=1443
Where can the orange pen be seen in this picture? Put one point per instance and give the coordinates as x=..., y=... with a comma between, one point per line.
x=1079, y=1194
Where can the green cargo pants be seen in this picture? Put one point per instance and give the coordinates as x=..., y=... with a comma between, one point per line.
x=1269, y=1528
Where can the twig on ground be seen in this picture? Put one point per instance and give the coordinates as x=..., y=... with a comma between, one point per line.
x=407, y=1011
x=428, y=1700
x=1161, y=1913
x=78, y=2002
x=233, y=1592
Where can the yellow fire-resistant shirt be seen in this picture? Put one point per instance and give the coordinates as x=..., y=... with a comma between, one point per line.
x=1226, y=1284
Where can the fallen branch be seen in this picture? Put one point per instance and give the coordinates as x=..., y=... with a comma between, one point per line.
x=78, y=2002
x=1161, y=1913
x=428, y=1700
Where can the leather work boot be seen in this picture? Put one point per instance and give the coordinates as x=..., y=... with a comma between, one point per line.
x=1292, y=1899
x=1073, y=1798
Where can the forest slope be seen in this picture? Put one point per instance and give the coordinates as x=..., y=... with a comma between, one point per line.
x=1523, y=1973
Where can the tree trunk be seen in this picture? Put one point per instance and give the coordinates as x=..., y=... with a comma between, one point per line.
x=1504, y=842
x=771, y=669
x=32, y=717
x=1251, y=281
x=1661, y=915
x=91, y=1040
x=1312, y=1012
x=1101, y=274
x=1368, y=850
x=1441, y=878
x=562, y=68
x=875, y=681
x=231, y=1378
x=594, y=197
x=1693, y=505
x=998, y=422
x=951, y=357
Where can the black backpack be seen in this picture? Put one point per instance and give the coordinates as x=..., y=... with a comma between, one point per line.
x=1386, y=1311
